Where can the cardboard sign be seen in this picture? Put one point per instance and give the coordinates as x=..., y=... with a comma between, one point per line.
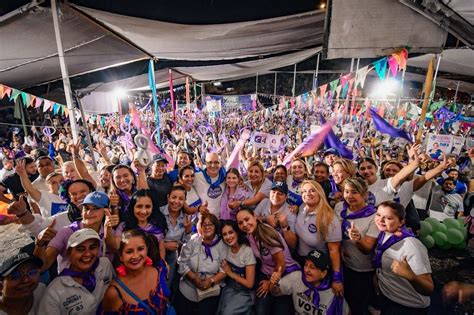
x=266, y=140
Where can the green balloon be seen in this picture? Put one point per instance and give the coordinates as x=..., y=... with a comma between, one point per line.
x=435, y=224
x=428, y=241
x=426, y=228
x=440, y=238
x=452, y=223
x=461, y=222
x=442, y=228
x=454, y=236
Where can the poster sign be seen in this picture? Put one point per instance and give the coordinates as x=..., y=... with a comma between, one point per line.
x=213, y=106
x=349, y=134
x=438, y=144
x=458, y=144
x=266, y=140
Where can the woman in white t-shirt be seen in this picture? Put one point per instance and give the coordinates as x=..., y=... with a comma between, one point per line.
x=239, y=265
x=403, y=266
x=298, y=173
x=357, y=217
x=259, y=187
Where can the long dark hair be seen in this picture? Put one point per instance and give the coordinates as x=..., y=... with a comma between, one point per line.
x=265, y=233
x=156, y=218
x=241, y=239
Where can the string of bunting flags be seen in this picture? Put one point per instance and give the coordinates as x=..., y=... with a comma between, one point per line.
x=30, y=100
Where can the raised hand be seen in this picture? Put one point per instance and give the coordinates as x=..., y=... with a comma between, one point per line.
x=188, y=224
x=111, y=219
x=354, y=233
x=47, y=234
x=271, y=220
x=203, y=208
x=20, y=169
x=403, y=269
x=17, y=207
x=234, y=204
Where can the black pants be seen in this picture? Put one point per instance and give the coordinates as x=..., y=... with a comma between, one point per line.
x=183, y=306
x=390, y=307
x=358, y=290
x=272, y=305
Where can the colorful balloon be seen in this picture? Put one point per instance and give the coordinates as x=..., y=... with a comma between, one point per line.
x=426, y=229
x=452, y=223
x=440, y=238
x=428, y=241
x=435, y=224
x=454, y=236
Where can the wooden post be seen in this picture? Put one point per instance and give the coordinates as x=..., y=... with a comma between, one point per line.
x=426, y=99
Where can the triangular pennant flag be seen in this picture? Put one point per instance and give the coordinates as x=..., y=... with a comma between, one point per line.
x=38, y=102
x=66, y=112
x=333, y=85
x=46, y=106
x=381, y=67
x=361, y=75
x=25, y=98
x=62, y=110
x=345, y=78
x=14, y=95
x=322, y=89
x=32, y=100
x=344, y=89
x=338, y=91
x=401, y=58
x=393, y=66
x=7, y=91
x=55, y=108
x=1, y=90
x=384, y=127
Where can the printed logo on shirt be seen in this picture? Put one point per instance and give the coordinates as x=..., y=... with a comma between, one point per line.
x=304, y=305
x=106, y=280
x=265, y=251
x=214, y=193
x=72, y=299
x=312, y=228
x=371, y=199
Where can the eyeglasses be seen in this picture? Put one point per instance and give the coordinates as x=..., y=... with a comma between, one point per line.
x=18, y=275
x=212, y=162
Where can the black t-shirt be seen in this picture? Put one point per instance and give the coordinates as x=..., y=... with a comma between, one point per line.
x=326, y=185
x=12, y=183
x=160, y=189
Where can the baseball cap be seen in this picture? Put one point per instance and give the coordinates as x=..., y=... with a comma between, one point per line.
x=80, y=236
x=319, y=259
x=159, y=158
x=331, y=151
x=280, y=186
x=15, y=261
x=97, y=198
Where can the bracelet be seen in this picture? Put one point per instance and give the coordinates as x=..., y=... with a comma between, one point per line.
x=337, y=277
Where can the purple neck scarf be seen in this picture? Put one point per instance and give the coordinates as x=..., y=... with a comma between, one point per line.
x=76, y=226
x=125, y=198
x=365, y=212
x=382, y=247
x=151, y=229
x=207, y=247
x=88, y=277
x=337, y=303
x=296, y=182
x=334, y=188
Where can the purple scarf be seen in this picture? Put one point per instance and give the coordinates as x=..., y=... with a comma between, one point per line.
x=88, y=277
x=365, y=212
x=337, y=303
x=125, y=198
x=382, y=247
x=76, y=226
x=152, y=230
x=296, y=182
x=207, y=247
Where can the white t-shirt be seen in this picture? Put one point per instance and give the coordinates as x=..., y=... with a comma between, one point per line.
x=37, y=296
x=263, y=209
x=351, y=255
x=238, y=261
x=382, y=190
x=308, y=236
x=396, y=288
x=40, y=184
x=293, y=285
x=66, y=296
x=51, y=204
x=213, y=197
x=4, y=173
x=421, y=196
x=264, y=189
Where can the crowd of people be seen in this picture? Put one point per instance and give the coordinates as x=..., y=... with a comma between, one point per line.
x=186, y=234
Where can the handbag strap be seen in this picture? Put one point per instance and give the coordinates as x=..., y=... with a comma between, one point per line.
x=129, y=292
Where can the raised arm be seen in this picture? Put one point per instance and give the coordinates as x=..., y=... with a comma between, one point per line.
x=25, y=181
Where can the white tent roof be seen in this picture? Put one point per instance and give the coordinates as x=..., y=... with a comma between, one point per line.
x=28, y=53
x=218, y=41
x=465, y=8
x=458, y=61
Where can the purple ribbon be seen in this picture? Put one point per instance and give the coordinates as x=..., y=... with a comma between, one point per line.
x=365, y=212
x=88, y=277
x=382, y=247
x=334, y=188
x=207, y=247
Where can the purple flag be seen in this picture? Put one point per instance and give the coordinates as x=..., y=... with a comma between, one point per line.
x=332, y=141
x=384, y=127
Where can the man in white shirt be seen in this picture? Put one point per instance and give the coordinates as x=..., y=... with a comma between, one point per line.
x=7, y=169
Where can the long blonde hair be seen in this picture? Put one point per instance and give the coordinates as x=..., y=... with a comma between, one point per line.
x=260, y=167
x=324, y=213
x=347, y=165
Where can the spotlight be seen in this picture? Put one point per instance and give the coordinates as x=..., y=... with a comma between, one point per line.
x=322, y=6
x=119, y=92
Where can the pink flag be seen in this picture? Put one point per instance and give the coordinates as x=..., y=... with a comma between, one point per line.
x=172, y=94
x=310, y=144
x=393, y=66
x=135, y=117
x=233, y=160
x=322, y=89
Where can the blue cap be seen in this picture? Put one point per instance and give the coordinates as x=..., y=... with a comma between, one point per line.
x=97, y=198
x=281, y=186
x=331, y=151
x=159, y=158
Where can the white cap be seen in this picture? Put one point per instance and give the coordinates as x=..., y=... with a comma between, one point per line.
x=80, y=236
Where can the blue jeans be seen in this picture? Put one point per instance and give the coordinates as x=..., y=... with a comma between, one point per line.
x=274, y=305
